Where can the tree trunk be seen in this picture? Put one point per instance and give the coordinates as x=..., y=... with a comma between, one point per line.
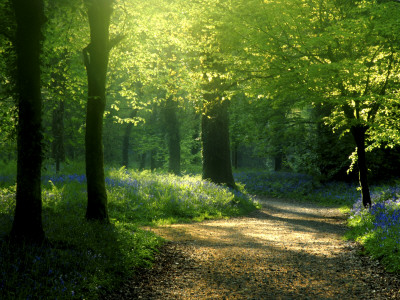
x=58, y=149
x=96, y=62
x=27, y=224
x=173, y=136
x=235, y=153
x=358, y=133
x=142, y=161
x=196, y=144
x=278, y=161
x=153, y=160
x=217, y=165
x=125, y=141
x=58, y=87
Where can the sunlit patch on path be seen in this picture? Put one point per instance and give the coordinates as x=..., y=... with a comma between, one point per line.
x=287, y=250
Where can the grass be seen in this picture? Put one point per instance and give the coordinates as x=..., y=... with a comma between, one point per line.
x=88, y=259
x=85, y=259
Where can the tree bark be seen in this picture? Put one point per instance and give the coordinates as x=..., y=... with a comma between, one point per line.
x=27, y=224
x=217, y=165
x=96, y=62
x=173, y=136
x=358, y=133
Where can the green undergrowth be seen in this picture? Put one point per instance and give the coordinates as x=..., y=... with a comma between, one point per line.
x=87, y=259
x=301, y=187
x=165, y=198
x=378, y=228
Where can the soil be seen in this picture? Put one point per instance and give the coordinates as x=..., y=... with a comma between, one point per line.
x=286, y=250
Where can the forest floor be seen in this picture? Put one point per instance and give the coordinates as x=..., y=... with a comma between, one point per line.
x=286, y=250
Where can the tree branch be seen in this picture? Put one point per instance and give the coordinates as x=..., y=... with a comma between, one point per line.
x=115, y=41
x=370, y=64
x=372, y=113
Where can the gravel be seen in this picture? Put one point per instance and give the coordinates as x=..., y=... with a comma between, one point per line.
x=286, y=250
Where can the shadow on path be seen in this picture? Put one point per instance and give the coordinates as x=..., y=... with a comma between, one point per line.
x=284, y=251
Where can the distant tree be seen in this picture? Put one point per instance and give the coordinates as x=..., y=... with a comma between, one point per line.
x=172, y=135
x=57, y=149
x=64, y=80
x=58, y=87
x=27, y=224
x=126, y=140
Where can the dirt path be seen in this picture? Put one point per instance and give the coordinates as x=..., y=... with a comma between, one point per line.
x=287, y=250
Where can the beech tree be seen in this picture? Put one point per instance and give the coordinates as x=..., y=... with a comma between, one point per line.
x=214, y=52
x=343, y=53
x=96, y=56
x=216, y=152
x=217, y=165
x=27, y=224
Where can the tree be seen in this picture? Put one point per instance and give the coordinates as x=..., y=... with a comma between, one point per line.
x=58, y=87
x=214, y=52
x=64, y=80
x=173, y=135
x=363, y=75
x=342, y=53
x=154, y=59
x=217, y=165
x=216, y=152
x=27, y=224
x=58, y=150
x=96, y=56
x=126, y=138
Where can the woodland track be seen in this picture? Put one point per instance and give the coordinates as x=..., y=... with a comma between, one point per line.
x=286, y=250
